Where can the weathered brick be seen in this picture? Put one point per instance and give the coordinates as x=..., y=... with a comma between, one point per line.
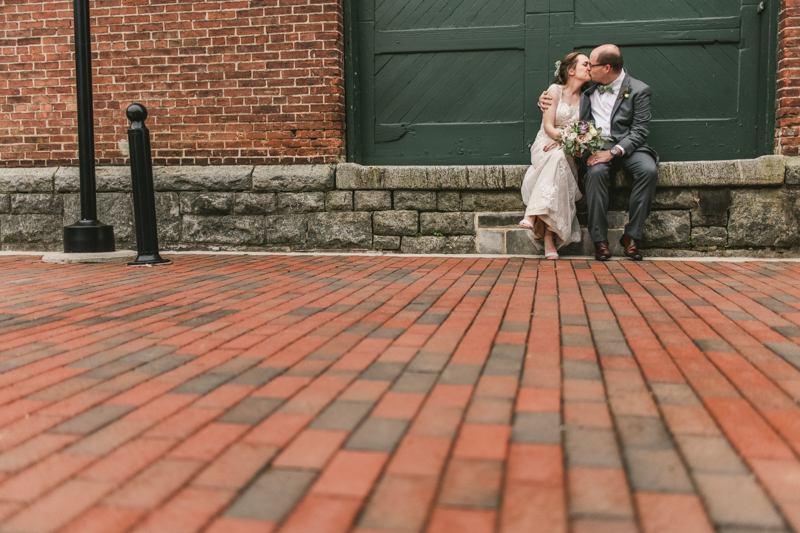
x=272, y=495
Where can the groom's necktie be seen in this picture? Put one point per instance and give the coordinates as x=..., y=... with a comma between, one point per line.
x=608, y=88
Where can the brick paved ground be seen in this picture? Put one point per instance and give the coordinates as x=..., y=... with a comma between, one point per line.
x=383, y=394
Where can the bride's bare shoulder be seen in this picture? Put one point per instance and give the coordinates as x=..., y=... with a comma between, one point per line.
x=555, y=90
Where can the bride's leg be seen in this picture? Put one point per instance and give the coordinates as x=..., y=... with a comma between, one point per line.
x=549, y=245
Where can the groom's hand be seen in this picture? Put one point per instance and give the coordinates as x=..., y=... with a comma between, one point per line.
x=545, y=101
x=600, y=157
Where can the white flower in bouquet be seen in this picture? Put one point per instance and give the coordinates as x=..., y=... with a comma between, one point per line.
x=581, y=136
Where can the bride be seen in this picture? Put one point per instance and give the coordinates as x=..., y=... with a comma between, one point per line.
x=550, y=187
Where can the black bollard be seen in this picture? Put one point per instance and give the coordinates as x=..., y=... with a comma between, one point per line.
x=144, y=198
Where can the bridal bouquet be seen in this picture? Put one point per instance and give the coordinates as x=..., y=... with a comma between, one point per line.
x=580, y=136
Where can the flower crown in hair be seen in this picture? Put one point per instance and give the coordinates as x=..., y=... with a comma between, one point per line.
x=558, y=68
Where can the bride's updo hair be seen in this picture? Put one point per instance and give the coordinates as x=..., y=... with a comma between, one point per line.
x=569, y=62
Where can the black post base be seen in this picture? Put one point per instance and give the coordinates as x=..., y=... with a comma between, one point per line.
x=88, y=237
x=149, y=259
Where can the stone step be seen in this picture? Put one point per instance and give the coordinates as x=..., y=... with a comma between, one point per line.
x=499, y=233
x=516, y=241
x=616, y=219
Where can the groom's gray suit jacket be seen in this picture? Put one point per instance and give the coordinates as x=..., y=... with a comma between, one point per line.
x=630, y=118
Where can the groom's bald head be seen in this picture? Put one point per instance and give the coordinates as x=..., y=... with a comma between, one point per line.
x=609, y=54
x=608, y=61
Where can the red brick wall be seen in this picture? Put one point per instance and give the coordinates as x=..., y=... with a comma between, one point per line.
x=787, y=140
x=247, y=81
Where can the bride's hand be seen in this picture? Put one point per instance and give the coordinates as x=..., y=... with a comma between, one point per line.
x=550, y=146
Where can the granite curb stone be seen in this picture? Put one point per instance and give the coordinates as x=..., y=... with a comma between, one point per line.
x=223, y=178
x=31, y=228
x=415, y=200
x=693, y=206
x=792, y=170
x=107, y=179
x=206, y=203
x=223, y=229
x=372, y=200
x=395, y=223
x=462, y=244
x=301, y=202
x=764, y=218
x=340, y=230
x=286, y=229
x=37, y=179
x=339, y=201
x=247, y=203
x=447, y=223
x=39, y=204
x=113, y=208
x=710, y=236
x=293, y=178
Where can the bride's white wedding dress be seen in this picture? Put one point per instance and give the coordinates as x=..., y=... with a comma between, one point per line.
x=550, y=187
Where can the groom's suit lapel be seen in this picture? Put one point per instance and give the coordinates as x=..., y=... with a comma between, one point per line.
x=586, y=102
x=626, y=82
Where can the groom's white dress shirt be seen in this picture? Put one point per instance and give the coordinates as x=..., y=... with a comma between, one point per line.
x=603, y=106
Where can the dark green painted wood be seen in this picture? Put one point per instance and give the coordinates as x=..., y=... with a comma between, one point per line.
x=767, y=93
x=591, y=11
x=366, y=63
x=352, y=76
x=450, y=39
x=450, y=88
x=708, y=30
x=537, y=6
x=562, y=6
x=480, y=144
x=537, y=68
x=366, y=10
x=456, y=81
x=749, y=55
x=439, y=14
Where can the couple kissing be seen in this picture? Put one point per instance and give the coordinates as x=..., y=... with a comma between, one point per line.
x=595, y=97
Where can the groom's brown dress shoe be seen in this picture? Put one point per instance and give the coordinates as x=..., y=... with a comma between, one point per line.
x=601, y=251
x=630, y=247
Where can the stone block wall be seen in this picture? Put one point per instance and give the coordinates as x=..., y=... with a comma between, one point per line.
x=747, y=207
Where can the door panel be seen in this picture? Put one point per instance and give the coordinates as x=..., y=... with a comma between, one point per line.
x=416, y=14
x=696, y=77
x=614, y=10
x=449, y=87
x=456, y=81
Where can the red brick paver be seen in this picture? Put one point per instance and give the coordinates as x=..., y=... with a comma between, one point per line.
x=399, y=394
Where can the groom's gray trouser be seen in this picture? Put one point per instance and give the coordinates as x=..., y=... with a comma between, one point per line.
x=642, y=167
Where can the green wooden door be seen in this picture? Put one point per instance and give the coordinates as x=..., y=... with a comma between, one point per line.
x=444, y=82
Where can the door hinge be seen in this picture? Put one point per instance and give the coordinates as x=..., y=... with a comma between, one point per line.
x=761, y=7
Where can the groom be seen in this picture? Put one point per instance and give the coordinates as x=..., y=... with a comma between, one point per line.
x=620, y=105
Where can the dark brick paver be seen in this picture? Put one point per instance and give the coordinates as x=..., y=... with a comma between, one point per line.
x=399, y=394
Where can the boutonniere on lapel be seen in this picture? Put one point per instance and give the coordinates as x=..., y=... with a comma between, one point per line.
x=626, y=93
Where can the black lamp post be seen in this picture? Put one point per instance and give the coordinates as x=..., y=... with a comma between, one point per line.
x=88, y=235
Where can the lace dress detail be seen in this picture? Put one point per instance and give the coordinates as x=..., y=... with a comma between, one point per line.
x=550, y=187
